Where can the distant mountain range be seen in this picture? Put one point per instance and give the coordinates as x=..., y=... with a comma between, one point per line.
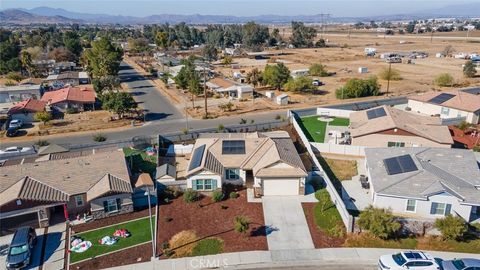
x=47, y=15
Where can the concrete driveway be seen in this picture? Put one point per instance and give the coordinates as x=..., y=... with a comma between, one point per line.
x=286, y=225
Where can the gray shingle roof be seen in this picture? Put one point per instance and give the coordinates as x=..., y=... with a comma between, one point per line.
x=166, y=169
x=455, y=171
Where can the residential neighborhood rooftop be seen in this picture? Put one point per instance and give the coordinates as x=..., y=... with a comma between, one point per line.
x=29, y=105
x=434, y=171
x=465, y=100
x=387, y=118
x=72, y=94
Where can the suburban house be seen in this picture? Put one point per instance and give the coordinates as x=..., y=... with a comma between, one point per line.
x=25, y=110
x=70, y=98
x=69, y=78
x=267, y=162
x=390, y=127
x=230, y=88
x=39, y=193
x=425, y=183
x=10, y=94
x=453, y=104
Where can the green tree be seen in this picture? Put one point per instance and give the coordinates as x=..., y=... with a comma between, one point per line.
x=209, y=52
x=444, y=79
x=61, y=54
x=9, y=52
x=103, y=58
x=276, y=75
x=254, y=35
x=108, y=83
x=379, y=222
x=73, y=43
x=118, y=102
x=15, y=76
x=44, y=117
x=318, y=70
x=355, y=88
x=451, y=227
x=302, y=36
x=161, y=39
x=227, y=60
x=410, y=27
x=241, y=224
x=27, y=64
x=321, y=43
x=298, y=84
x=463, y=126
x=390, y=74
x=469, y=69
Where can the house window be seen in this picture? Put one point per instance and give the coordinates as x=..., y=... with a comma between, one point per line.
x=111, y=205
x=204, y=184
x=233, y=174
x=445, y=111
x=411, y=205
x=396, y=144
x=440, y=209
x=79, y=200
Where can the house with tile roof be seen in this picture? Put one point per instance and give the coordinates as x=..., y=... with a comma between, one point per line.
x=267, y=162
x=387, y=126
x=425, y=183
x=452, y=104
x=35, y=193
x=25, y=110
x=75, y=98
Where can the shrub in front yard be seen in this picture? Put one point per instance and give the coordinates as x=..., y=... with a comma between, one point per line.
x=337, y=231
x=234, y=195
x=452, y=228
x=379, y=222
x=190, y=196
x=241, y=224
x=183, y=243
x=217, y=196
x=42, y=143
x=208, y=246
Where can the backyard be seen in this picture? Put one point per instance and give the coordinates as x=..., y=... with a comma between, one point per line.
x=140, y=234
x=139, y=161
x=315, y=129
x=342, y=169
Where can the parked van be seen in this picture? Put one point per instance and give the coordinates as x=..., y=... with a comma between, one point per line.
x=20, y=250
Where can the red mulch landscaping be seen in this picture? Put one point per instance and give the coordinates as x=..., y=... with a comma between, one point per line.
x=210, y=220
x=136, y=254
x=320, y=239
x=95, y=224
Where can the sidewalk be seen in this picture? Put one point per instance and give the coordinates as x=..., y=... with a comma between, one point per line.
x=262, y=259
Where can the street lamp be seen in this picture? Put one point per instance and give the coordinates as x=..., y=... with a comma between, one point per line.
x=150, y=219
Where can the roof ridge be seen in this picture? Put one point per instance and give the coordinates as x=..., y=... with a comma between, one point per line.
x=45, y=184
x=422, y=162
x=255, y=151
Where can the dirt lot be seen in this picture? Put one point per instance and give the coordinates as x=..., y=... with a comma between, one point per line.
x=211, y=220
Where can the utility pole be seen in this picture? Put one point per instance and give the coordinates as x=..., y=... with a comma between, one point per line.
x=205, y=88
x=322, y=19
x=186, y=115
x=389, y=75
x=431, y=37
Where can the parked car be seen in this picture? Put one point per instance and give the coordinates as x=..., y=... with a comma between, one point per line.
x=12, y=131
x=20, y=250
x=16, y=123
x=317, y=83
x=417, y=260
x=461, y=264
x=16, y=150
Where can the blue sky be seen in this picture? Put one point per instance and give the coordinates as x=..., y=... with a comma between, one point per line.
x=236, y=7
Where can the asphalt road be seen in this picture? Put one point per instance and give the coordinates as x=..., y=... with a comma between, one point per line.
x=155, y=104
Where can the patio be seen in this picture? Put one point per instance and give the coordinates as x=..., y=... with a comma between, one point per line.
x=355, y=196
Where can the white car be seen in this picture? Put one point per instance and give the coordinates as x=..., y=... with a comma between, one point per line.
x=16, y=151
x=414, y=260
x=16, y=123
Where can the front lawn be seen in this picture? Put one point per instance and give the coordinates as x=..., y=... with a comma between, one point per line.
x=343, y=169
x=326, y=213
x=140, y=233
x=208, y=246
x=368, y=240
x=315, y=129
x=139, y=161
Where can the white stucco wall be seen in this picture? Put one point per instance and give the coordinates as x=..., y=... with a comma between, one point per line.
x=398, y=206
x=205, y=175
x=381, y=140
x=431, y=109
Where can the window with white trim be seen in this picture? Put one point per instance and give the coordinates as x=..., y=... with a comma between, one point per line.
x=411, y=205
x=232, y=174
x=79, y=200
x=445, y=111
x=111, y=205
x=440, y=209
x=204, y=184
x=396, y=144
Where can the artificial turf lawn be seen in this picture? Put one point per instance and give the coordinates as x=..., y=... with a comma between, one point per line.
x=315, y=129
x=140, y=233
x=208, y=246
x=141, y=162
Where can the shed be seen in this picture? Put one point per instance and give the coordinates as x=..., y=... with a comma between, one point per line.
x=166, y=172
x=270, y=94
x=282, y=99
x=362, y=70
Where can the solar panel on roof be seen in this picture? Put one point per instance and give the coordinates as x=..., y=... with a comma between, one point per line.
x=233, y=147
x=197, y=157
x=375, y=113
x=441, y=98
x=400, y=164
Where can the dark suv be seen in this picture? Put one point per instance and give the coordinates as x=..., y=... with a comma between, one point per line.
x=20, y=251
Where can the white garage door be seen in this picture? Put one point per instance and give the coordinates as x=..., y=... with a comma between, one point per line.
x=273, y=187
